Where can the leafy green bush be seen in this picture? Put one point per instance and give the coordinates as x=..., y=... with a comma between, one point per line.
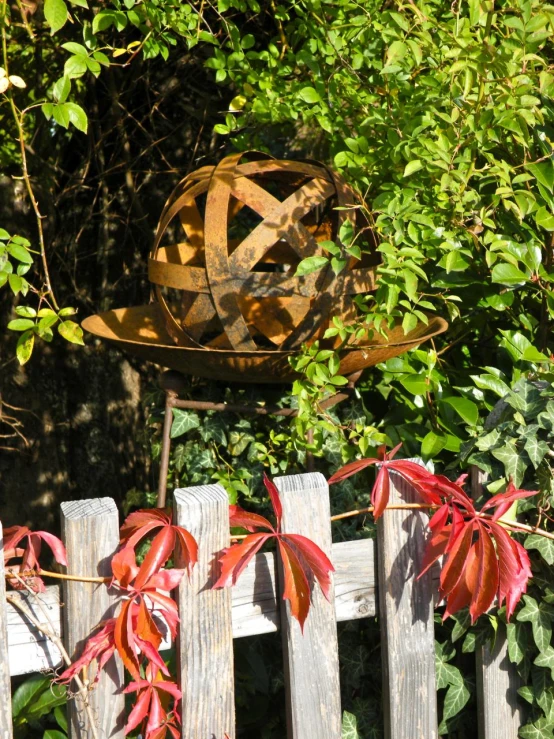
x=441, y=116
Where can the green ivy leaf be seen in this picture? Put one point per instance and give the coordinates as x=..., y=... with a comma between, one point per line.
x=536, y=450
x=455, y=699
x=543, y=545
x=546, y=659
x=540, y=617
x=517, y=641
x=541, y=729
x=183, y=421
x=514, y=466
x=349, y=726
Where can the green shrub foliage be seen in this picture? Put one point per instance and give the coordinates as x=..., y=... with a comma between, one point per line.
x=441, y=116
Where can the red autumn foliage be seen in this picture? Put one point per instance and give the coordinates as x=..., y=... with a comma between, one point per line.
x=303, y=561
x=30, y=554
x=99, y=647
x=481, y=560
x=153, y=695
x=141, y=523
x=380, y=494
x=135, y=634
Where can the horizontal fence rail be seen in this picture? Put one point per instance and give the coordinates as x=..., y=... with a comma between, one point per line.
x=372, y=578
x=254, y=603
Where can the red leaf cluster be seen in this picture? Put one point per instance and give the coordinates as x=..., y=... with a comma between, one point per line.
x=29, y=555
x=481, y=560
x=303, y=561
x=152, y=694
x=381, y=490
x=136, y=632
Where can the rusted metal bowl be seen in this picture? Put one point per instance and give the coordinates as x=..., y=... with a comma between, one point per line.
x=228, y=245
x=142, y=331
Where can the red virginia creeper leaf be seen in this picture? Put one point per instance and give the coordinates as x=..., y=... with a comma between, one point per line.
x=124, y=640
x=503, y=501
x=275, y=499
x=435, y=548
x=99, y=647
x=456, y=560
x=141, y=523
x=381, y=492
x=15, y=534
x=487, y=582
x=236, y=558
x=514, y=572
x=58, y=549
x=140, y=709
x=350, y=469
x=188, y=548
x=168, y=609
x=316, y=561
x=297, y=589
x=146, y=627
x=124, y=566
x=160, y=550
x=247, y=520
x=166, y=579
x=460, y=595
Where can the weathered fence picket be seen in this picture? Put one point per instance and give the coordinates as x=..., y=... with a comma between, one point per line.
x=497, y=680
x=90, y=530
x=205, y=630
x=5, y=685
x=311, y=657
x=407, y=626
x=210, y=620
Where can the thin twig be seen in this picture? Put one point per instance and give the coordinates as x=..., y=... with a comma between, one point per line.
x=18, y=119
x=59, y=576
x=55, y=639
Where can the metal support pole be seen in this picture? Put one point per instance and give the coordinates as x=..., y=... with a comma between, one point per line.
x=172, y=384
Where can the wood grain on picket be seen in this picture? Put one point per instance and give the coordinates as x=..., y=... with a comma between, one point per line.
x=90, y=532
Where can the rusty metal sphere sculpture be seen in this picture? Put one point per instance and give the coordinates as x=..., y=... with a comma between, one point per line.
x=248, y=223
x=228, y=303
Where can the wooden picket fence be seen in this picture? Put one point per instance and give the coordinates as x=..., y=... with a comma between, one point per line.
x=372, y=578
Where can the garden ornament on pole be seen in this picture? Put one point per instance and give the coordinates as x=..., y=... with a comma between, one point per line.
x=228, y=303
